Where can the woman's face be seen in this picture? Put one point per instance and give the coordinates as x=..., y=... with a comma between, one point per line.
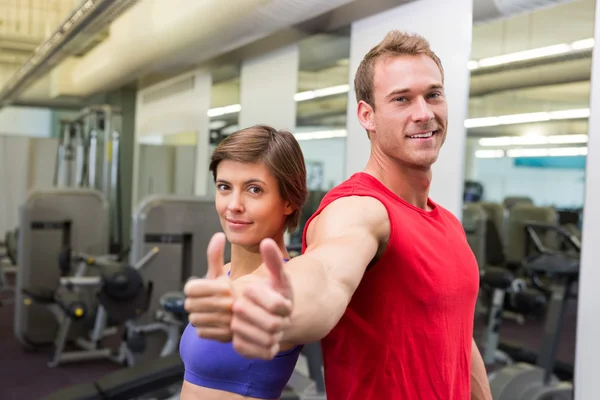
x=249, y=204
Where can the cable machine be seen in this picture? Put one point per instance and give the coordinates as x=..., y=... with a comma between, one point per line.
x=88, y=157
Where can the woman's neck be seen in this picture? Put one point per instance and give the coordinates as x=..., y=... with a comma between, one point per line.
x=245, y=260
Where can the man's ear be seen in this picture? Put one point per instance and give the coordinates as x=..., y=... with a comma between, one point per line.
x=366, y=116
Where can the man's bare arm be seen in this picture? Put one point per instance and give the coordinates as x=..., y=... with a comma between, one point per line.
x=480, y=387
x=342, y=241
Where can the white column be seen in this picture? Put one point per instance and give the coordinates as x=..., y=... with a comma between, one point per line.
x=202, y=91
x=447, y=25
x=268, y=84
x=587, y=354
x=470, y=160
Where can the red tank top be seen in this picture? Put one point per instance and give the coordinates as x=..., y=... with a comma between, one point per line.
x=408, y=329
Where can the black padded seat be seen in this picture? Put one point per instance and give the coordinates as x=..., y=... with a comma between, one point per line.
x=82, y=391
x=142, y=379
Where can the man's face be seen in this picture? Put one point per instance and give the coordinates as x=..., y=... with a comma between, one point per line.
x=410, y=117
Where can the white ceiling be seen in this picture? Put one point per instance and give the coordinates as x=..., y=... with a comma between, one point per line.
x=567, y=22
x=25, y=24
x=557, y=85
x=30, y=21
x=560, y=84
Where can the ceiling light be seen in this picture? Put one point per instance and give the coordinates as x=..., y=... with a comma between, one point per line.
x=489, y=153
x=300, y=96
x=567, y=139
x=527, y=118
x=583, y=44
x=547, y=152
x=525, y=55
x=531, y=54
x=570, y=114
x=215, y=112
x=532, y=140
x=217, y=124
x=473, y=64
x=336, y=133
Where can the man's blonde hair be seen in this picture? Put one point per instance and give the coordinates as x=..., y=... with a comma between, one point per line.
x=395, y=43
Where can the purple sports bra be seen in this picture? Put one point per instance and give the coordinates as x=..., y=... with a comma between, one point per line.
x=217, y=365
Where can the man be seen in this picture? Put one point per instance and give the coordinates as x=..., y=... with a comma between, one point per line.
x=386, y=280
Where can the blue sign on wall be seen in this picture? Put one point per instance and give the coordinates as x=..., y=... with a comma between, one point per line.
x=564, y=162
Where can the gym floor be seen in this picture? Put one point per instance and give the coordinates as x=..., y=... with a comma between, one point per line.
x=24, y=374
x=529, y=335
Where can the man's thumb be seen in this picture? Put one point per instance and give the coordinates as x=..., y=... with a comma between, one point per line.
x=273, y=260
x=216, y=255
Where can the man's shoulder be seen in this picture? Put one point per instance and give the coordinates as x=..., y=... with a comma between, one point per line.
x=447, y=215
x=355, y=180
x=444, y=211
x=353, y=209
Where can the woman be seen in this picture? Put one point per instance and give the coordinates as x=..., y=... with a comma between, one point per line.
x=260, y=177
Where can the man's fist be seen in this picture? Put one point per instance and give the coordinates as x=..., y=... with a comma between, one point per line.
x=263, y=307
x=209, y=301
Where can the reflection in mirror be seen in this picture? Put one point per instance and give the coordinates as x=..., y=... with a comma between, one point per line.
x=321, y=103
x=525, y=159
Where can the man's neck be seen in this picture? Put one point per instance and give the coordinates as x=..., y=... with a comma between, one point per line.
x=410, y=184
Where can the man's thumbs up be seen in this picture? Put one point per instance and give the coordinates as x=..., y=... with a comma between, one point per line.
x=273, y=260
x=263, y=309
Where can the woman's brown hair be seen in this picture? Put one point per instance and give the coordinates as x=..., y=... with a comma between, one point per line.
x=281, y=153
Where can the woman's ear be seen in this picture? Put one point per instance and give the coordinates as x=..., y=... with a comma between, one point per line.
x=289, y=208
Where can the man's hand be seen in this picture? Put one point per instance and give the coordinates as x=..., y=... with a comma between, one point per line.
x=209, y=301
x=263, y=308
x=480, y=386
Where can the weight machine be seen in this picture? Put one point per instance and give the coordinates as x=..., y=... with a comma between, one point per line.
x=88, y=157
x=122, y=296
x=522, y=381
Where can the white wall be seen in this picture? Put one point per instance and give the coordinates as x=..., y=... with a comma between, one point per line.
x=26, y=121
x=19, y=170
x=26, y=164
x=587, y=352
x=448, y=27
x=545, y=186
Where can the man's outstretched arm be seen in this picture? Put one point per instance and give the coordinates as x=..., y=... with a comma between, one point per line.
x=480, y=387
x=342, y=241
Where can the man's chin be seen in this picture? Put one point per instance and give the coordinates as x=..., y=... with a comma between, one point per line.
x=426, y=163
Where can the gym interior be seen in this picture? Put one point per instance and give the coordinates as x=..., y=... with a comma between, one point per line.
x=110, y=111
